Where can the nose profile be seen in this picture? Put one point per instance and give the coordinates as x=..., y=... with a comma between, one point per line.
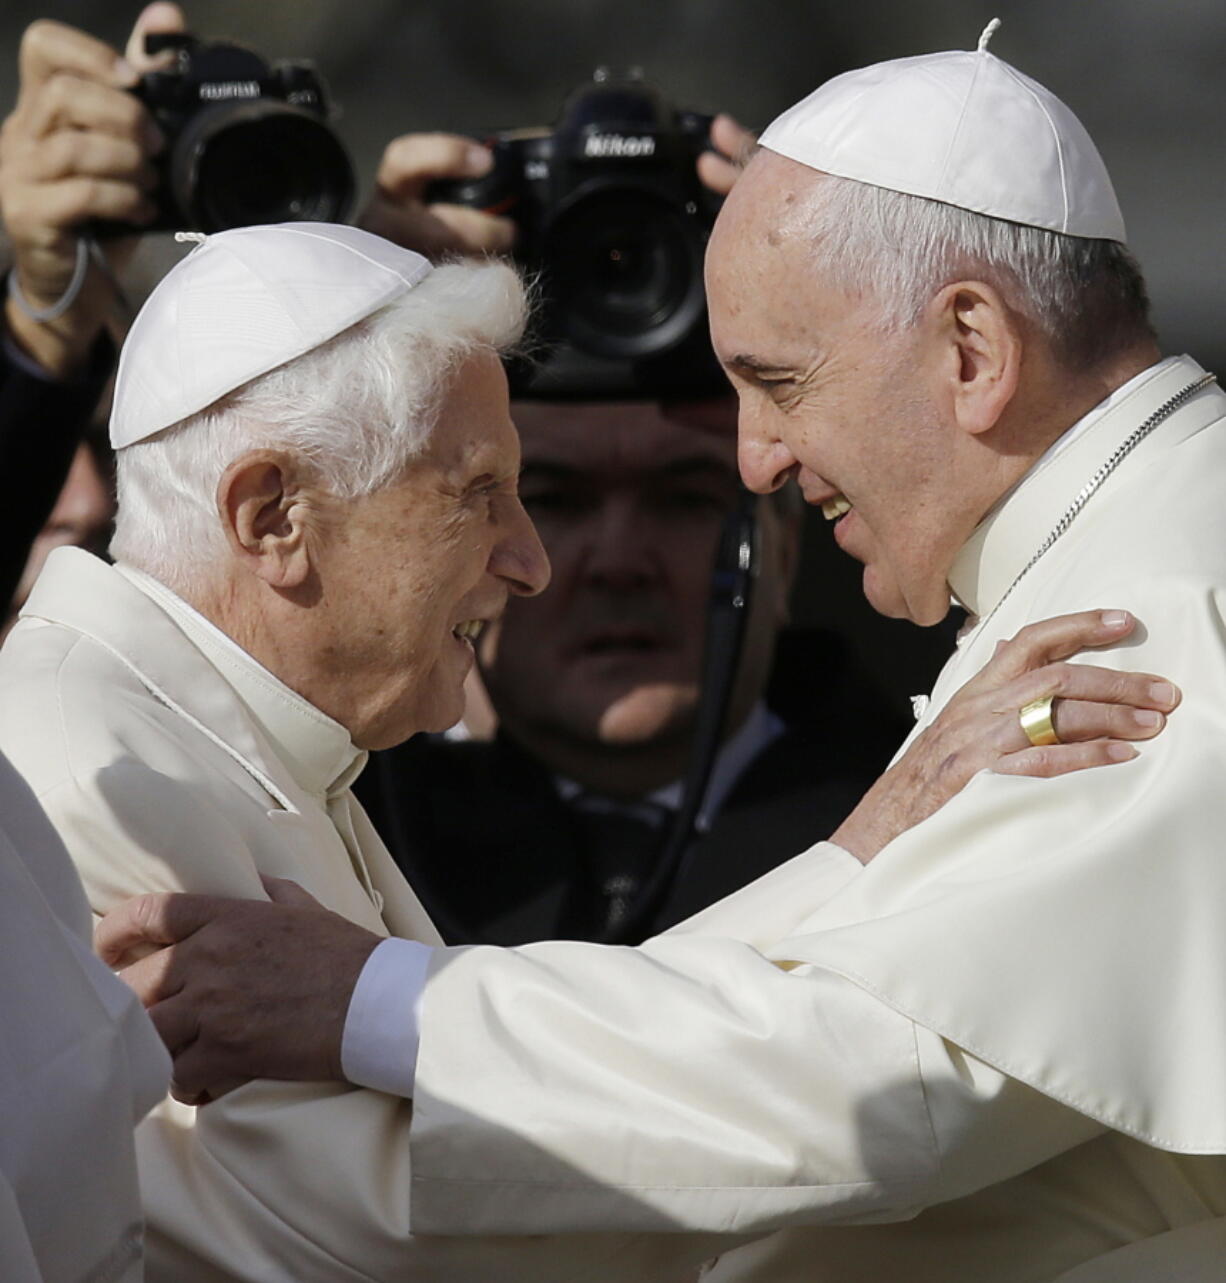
x=619, y=554
x=765, y=465
x=519, y=558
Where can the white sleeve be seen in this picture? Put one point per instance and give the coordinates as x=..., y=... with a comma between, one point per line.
x=697, y=1083
x=382, y=1026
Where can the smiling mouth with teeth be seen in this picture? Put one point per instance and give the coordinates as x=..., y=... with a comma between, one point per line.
x=833, y=509
x=468, y=630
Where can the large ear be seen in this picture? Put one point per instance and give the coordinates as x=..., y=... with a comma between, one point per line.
x=980, y=346
x=268, y=515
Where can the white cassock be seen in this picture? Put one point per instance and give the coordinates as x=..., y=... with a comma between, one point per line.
x=169, y=759
x=998, y=1052
x=79, y=1065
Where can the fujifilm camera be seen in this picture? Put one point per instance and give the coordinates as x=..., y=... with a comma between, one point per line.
x=612, y=222
x=247, y=142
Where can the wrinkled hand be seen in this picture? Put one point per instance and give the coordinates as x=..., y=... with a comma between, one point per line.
x=76, y=147
x=734, y=143
x=398, y=210
x=246, y=989
x=1097, y=712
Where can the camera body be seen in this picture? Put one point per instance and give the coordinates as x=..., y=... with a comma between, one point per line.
x=613, y=222
x=246, y=142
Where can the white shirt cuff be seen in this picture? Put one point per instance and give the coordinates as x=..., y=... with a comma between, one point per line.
x=383, y=1024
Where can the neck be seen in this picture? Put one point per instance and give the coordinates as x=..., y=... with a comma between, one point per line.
x=1059, y=398
x=267, y=627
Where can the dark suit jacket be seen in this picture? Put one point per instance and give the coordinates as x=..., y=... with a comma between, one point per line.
x=497, y=856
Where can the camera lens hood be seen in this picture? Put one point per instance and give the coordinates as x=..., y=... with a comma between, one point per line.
x=262, y=161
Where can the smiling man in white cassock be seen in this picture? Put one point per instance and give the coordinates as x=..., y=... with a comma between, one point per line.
x=997, y=1050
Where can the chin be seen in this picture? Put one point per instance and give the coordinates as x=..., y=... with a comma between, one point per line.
x=399, y=725
x=922, y=606
x=647, y=713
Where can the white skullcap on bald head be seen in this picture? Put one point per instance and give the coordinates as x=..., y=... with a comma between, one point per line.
x=962, y=128
x=243, y=303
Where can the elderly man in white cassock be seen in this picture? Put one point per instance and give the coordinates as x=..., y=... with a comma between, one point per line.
x=995, y=1050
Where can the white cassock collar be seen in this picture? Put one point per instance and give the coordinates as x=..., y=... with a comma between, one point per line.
x=316, y=750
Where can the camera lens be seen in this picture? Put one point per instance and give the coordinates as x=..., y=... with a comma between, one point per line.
x=623, y=269
x=260, y=162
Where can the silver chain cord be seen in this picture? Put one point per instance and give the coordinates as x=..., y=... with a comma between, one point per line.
x=1121, y=452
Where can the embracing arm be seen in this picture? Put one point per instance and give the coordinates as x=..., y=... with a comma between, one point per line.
x=756, y=1072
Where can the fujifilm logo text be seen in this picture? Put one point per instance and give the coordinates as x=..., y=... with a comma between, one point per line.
x=601, y=146
x=218, y=89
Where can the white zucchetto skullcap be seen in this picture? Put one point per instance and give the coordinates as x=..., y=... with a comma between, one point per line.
x=241, y=304
x=962, y=128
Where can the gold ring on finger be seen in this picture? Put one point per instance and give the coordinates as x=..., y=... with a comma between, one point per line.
x=1036, y=722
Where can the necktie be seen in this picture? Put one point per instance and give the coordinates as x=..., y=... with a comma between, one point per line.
x=619, y=844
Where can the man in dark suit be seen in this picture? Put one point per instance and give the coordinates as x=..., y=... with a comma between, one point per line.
x=555, y=825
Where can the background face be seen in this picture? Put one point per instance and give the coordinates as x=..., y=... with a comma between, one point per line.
x=628, y=503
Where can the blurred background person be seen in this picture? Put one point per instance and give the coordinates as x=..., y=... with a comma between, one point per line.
x=554, y=826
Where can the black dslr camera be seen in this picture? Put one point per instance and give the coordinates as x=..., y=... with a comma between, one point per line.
x=246, y=142
x=613, y=221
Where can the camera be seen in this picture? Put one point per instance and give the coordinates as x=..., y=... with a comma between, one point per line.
x=246, y=142
x=613, y=222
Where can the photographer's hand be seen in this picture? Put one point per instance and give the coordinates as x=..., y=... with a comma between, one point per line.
x=397, y=208
x=734, y=143
x=76, y=147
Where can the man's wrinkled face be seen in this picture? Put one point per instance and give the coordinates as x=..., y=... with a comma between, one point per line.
x=629, y=500
x=419, y=567
x=828, y=397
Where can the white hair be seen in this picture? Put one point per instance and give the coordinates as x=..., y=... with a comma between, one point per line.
x=357, y=409
x=1086, y=297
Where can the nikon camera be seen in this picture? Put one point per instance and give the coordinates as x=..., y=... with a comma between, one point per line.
x=613, y=222
x=246, y=142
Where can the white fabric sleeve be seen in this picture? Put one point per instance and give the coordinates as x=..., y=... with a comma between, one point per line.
x=383, y=1024
x=693, y=1083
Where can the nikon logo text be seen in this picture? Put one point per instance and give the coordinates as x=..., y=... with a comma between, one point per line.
x=600, y=146
x=216, y=89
